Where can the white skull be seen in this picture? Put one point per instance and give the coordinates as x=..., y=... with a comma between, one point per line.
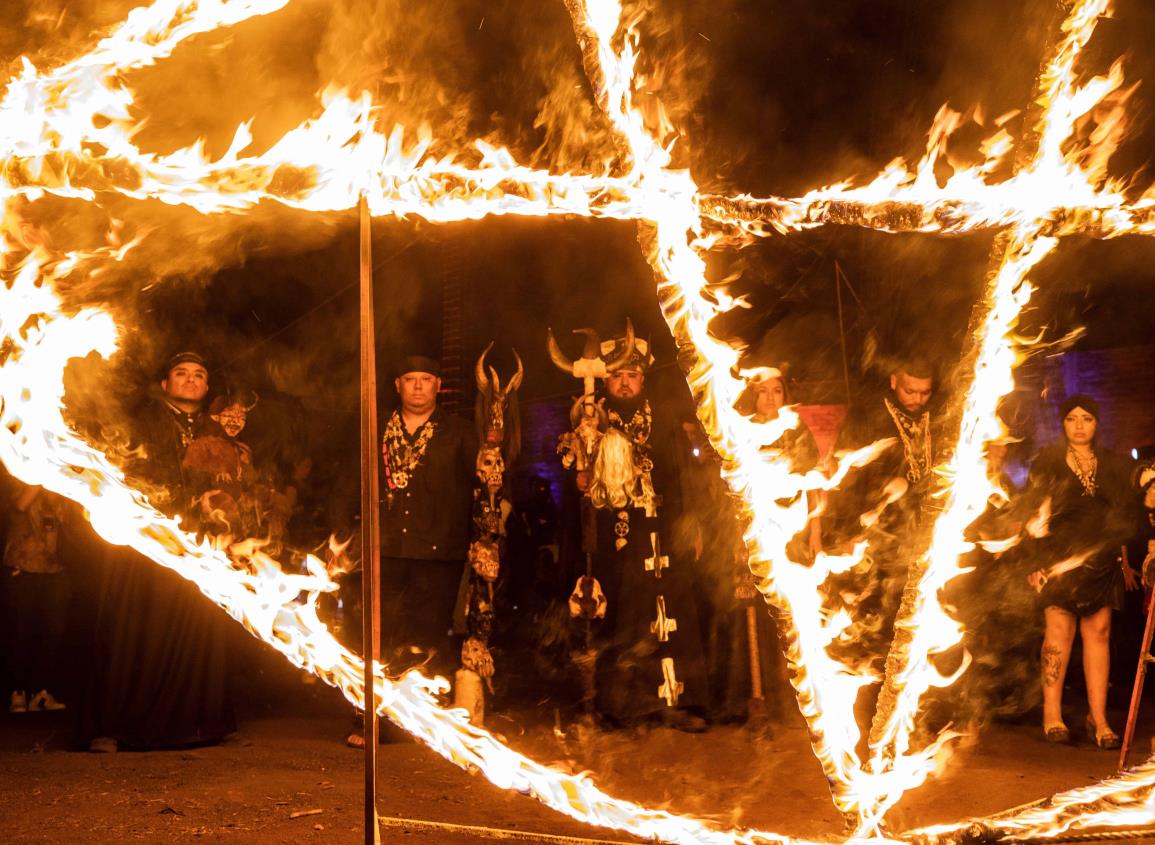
x=490, y=466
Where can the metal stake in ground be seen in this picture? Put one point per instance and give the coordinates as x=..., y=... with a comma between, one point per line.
x=370, y=502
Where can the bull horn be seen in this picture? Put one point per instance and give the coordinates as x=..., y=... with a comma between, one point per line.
x=496, y=379
x=619, y=362
x=593, y=347
x=479, y=371
x=557, y=356
x=515, y=382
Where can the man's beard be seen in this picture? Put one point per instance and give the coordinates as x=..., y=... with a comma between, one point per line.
x=623, y=406
x=897, y=403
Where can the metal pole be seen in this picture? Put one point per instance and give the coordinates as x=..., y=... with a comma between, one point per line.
x=370, y=503
x=842, y=329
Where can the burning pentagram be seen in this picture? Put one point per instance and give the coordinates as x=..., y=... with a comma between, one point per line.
x=65, y=133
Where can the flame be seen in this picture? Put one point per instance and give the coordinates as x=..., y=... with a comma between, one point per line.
x=69, y=133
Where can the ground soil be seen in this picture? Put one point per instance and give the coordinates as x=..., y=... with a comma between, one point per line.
x=287, y=777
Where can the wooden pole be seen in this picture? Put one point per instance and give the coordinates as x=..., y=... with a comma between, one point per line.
x=1140, y=678
x=370, y=513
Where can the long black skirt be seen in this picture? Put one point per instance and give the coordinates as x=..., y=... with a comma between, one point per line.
x=158, y=674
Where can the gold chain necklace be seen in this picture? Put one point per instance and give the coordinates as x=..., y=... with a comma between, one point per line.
x=1084, y=472
x=917, y=464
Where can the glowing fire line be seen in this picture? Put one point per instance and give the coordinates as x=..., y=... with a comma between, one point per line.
x=55, y=153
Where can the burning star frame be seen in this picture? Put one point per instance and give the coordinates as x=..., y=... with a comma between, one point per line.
x=67, y=132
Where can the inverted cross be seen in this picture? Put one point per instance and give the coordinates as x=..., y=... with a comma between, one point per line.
x=671, y=687
x=658, y=561
x=664, y=625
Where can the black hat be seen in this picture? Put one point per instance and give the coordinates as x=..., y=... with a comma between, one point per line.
x=1079, y=400
x=183, y=358
x=419, y=364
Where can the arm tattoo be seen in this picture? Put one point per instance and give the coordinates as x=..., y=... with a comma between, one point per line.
x=1052, y=665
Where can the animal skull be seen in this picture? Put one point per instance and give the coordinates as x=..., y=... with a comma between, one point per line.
x=587, y=600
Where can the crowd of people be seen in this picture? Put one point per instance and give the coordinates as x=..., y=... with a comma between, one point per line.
x=633, y=587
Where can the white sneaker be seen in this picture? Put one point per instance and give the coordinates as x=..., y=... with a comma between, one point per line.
x=43, y=700
x=18, y=703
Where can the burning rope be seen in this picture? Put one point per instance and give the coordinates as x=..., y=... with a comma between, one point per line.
x=69, y=133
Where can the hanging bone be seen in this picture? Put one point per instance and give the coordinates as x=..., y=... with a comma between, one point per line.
x=498, y=421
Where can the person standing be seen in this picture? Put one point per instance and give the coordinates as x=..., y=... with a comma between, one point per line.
x=36, y=598
x=1094, y=511
x=429, y=471
x=649, y=663
x=158, y=671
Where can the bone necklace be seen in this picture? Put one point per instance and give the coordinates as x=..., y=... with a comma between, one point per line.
x=401, y=457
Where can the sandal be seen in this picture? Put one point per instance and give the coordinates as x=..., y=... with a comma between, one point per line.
x=1107, y=740
x=1057, y=734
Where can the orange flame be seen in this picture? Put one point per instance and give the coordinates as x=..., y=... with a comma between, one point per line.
x=69, y=133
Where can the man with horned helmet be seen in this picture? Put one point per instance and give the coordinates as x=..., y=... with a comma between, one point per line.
x=633, y=596
x=429, y=464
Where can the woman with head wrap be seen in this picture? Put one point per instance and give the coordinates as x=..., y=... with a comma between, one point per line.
x=1080, y=579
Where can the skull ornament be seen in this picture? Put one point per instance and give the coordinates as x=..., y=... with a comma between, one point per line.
x=485, y=559
x=587, y=600
x=490, y=467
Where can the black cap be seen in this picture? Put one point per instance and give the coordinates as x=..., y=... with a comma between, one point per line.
x=419, y=364
x=184, y=358
x=1079, y=400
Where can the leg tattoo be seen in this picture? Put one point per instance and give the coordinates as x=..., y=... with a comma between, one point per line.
x=1052, y=664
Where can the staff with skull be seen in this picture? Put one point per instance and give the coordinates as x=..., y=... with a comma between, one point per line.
x=578, y=449
x=498, y=430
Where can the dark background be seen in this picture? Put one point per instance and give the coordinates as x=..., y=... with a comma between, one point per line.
x=769, y=97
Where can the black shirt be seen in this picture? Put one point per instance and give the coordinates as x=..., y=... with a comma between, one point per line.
x=429, y=518
x=163, y=433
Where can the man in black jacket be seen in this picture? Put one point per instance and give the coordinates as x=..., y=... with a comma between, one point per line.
x=429, y=462
x=158, y=667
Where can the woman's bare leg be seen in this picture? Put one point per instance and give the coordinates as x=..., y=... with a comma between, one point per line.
x=1058, y=637
x=1096, y=631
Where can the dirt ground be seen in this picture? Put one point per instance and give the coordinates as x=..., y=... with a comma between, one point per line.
x=287, y=777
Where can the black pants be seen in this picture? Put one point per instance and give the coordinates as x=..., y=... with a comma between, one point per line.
x=417, y=601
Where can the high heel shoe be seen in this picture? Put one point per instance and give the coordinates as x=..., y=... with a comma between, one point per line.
x=1057, y=734
x=1107, y=740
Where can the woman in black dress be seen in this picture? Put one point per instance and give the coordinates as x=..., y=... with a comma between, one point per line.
x=1081, y=580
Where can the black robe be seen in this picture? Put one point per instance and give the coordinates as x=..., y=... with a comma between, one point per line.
x=634, y=663
x=158, y=671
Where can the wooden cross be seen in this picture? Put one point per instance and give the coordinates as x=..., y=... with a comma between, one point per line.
x=664, y=625
x=659, y=561
x=671, y=687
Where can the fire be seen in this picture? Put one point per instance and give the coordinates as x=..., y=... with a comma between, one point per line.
x=69, y=132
